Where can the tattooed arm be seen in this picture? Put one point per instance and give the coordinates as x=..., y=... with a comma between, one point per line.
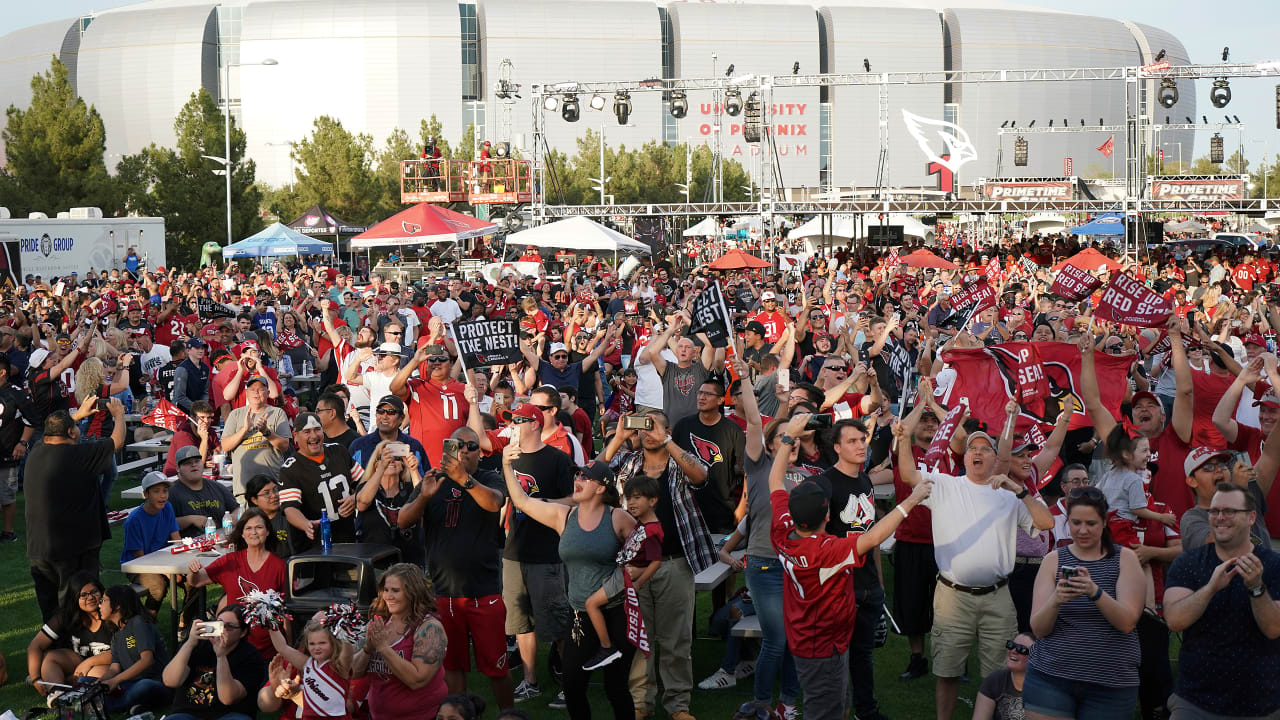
x=428, y=653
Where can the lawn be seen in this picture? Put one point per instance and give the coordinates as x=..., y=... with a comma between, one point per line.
x=898, y=699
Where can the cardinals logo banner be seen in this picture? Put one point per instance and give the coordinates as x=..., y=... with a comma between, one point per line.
x=488, y=342
x=1074, y=284
x=1127, y=301
x=165, y=415
x=989, y=377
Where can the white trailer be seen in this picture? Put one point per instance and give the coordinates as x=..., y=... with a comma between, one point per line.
x=81, y=239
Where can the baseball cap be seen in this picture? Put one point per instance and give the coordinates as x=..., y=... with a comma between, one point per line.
x=1201, y=455
x=808, y=505
x=528, y=411
x=140, y=331
x=307, y=421
x=186, y=453
x=131, y=307
x=1266, y=395
x=1143, y=394
x=37, y=357
x=1254, y=339
x=197, y=343
x=239, y=349
x=392, y=400
x=756, y=327
x=388, y=348
x=1023, y=443
x=155, y=477
x=979, y=435
x=768, y=295
x=256, y=379
x=557, y=347
x=598, y=471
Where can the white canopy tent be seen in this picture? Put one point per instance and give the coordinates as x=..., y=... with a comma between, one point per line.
x=838, y=226
x=579, y=233
x=707, y=227
x=1045, y=223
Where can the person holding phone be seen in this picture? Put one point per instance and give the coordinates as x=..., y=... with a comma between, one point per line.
x=215, y=673
x=395, y=476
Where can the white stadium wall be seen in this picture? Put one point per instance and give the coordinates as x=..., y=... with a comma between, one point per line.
x=27, y=52
x=373, y=64
x=1151, y=41
x=138, y=68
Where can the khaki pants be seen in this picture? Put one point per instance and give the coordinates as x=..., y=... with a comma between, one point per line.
x=666, y=602
x=958, y=617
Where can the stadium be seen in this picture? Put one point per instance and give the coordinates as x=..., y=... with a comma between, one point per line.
x=378, y=65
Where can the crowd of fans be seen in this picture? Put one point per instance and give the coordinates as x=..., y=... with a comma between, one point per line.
x=571, y=499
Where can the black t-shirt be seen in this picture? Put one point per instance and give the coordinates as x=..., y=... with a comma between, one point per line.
x=14, y=409
x=48, y=395
x=198, y=694
x=463, y=540
x=212, y=500
x=666, y=512
x=852, y=505
x=884, y=373
x=380, y=523
x=312, y=487
x=130, y=641
x=165, y=377
x=346, y=438
x=64, y=513
x=546, y=474
x=722, y=448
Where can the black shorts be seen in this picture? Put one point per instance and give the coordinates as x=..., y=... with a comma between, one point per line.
x=915, y=572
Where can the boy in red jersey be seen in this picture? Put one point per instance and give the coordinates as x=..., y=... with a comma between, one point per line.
x=818, y=604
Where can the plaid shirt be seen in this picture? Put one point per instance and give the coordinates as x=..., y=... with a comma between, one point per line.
x=694, y=537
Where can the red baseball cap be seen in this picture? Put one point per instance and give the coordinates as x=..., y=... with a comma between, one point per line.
x=1266, y=395
x=1254, y=339
x=529, y=411
x=1143, y=394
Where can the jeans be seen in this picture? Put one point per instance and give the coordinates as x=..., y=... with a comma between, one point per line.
x=861, y=666
x=765, y=581
x=151, y=694
x=721, y=626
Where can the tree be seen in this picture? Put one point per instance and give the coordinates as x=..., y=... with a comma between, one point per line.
x=397, y=148
x=55, y=150
x=335, y=168
x=179, y=184
x=432, y=128
x=466, y=149
x=1266, y=180
x=1202, y=166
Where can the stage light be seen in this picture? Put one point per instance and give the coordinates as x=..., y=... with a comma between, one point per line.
x=1228, y=117
x=1236, y=118
x=1081, y=122
x=753, y=118
x=1215, y=149
x=795, y=68
x=1100, y=122
x=1004, y=124
x=569, y=109
x=1064, y=122
x=622, y=106
x=1050, y=122
x=1190, y=121
x=1226, y=52
x=1220, y=95
x=597, y=102
x=679, y=104
x=1159, y=55
x=1204, y=119
x=550, y=103
x=1033, y=124
x=1168, y=93
x=866, y=64
x=1020, y=152
x=729, y=71
x=733, y=102
x=502, y=150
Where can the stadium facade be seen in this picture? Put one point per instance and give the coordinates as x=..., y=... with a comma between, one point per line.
x=382, y=64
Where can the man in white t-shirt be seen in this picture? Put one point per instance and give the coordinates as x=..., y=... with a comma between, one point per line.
x=151, y=357
x=377, y=382
x=445, y=307
x=975, y=524
x=649, y=382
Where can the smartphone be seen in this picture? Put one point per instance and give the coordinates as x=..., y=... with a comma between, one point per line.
x=399, y=449
x=821, y=421
x=1067, y=572
x=452, y=447
x=634, y=422
x=784, y=379
x=211, y=628
x=101, y=405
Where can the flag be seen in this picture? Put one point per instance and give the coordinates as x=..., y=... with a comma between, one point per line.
x=165, y=415
x=939, y=447
x=1029, y=266
x=1074, y=284
x=971, y=300
x=988, y=378
x=710, y=316
x=488, y=342
x=993, y=270
x=209, y=309
x=892, y=261
x=1108, y=147
x=1129, y=302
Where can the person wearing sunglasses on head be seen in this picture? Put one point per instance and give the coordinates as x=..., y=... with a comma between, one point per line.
x=1000, y=697
x=1206, y=468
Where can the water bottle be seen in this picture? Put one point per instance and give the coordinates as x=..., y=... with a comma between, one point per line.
x=326, y=534
x=210, y=529
x=286, y=365
x=227, y=524
x=306, y=368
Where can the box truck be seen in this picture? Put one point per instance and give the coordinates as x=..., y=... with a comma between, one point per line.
x=78, y=240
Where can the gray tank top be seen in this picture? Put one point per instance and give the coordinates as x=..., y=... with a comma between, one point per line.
x=589, y=557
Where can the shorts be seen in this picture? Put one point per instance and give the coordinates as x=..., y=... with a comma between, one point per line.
x=1124, y=532
x=614, y=586
x=1061, y=698
x=481, y=620
x=9, y=484
x=536, y=598
x=915, y=572
x=959, y=617
x=1183, y=709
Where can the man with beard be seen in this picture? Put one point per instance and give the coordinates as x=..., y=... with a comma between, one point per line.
x=317, y=478
x=1242, y=438
x=721, y=445
x=681, y=380
x=256, y=435
x=435, y=400
x=361, y=355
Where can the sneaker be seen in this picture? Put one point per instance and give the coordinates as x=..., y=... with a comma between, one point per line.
x=8, y=537
x=558, y=703
x=602, y=657
x=744, y=670
x=786, y=712
x=719, y=680
x=526, y=691
x=918, y=667
x=52, y=698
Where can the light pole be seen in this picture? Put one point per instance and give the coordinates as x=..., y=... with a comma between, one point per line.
x=1164, y=145
x=225, y=160
x=1266, y=166
x=602, y=179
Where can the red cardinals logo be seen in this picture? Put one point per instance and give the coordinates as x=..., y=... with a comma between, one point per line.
x=410, y=228
x=707, y=451
x=247, y=586
x=527, y=482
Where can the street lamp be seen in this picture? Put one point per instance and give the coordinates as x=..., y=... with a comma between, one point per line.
x=1164, y=145
x=602, y=179
x=227, y=166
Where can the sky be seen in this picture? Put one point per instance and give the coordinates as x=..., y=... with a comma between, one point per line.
x=1248, y=27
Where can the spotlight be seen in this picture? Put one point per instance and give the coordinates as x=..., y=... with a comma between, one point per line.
x=1215, y=149
x=1204, y=119
x=1168, y=93
x=1100, y=122
x=1166, y=119
x=1004, y=124
x=1226, y=52
x=679, y=104
x=866, y=64
x=1228, y=117
x=1236, y=118
x=622, y=106
x=550, y=103
x=569, y=109
x=1160, y=55
x=1081, y=122
x=1064, y=122
x=729, y=71
x=1190, y=121
x=753, y=118
x=597, y=102
x=1050, y=122
x=732, y=102
x=1020, y=152
x=1033, y=124
x=502, y=150
x=1220, y=95
x=795, y=68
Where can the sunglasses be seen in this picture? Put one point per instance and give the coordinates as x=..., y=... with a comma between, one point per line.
x=544, y=408
x=1087, y=492
x=1022, y=649
x=559, y=356
x=438, y=359
x=520, y=420
x=469, y=446
x=387, y=411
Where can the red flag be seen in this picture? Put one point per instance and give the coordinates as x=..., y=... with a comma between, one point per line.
x=971, y=300
x=1128, y=301
x=1074, y=284
x=988, y=377
x=636, y=634
x=994, y=273
x=1108, y=147
x=165, y=415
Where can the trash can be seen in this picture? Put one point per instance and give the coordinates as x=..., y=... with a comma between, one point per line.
x=349, y=573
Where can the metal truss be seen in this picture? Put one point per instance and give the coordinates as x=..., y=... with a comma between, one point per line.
x=1021, y=130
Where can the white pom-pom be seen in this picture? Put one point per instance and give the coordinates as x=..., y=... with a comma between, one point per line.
x=265, y=609
x=346, y=623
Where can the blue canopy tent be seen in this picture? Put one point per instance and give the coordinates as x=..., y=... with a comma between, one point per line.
x=277, y=239
x=1106, y=224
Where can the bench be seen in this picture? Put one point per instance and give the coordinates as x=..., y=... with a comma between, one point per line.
x=747, y=627
x=138, y=464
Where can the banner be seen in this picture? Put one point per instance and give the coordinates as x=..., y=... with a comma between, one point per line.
x=11, y=263
x=636, y=634
x=165, y=415
x=1129, y=302
x=988, y=378
x=973, y=299
x=488, y=342
x=209, y=309
x=940, y=446
x=993, y=270
x=1205, y=188
x=1027, y=191
x=1108, y=147
x=709, y=316
x=1074, y=284
x=1029, y=266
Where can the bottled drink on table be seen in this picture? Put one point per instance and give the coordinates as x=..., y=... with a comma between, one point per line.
x=210, y=528
x=326, y=536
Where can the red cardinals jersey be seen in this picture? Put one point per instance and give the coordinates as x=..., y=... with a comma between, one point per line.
x=774, y=323
x=174, y=327
x=818, y=604
x=435, y=411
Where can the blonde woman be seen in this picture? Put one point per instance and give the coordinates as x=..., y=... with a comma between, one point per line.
x=93, y=388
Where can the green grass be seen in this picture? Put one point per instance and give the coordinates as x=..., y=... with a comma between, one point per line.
x=21, y=620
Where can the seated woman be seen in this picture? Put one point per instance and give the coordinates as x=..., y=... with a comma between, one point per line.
x=263, y=492
x=75, y=642
x=253, y=566
x=138, y=655
x=1000, y=697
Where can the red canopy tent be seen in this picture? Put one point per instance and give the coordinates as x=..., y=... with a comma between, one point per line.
x=1090, y=259
x=737, y=259
x=924, y=259
x=423, y=223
